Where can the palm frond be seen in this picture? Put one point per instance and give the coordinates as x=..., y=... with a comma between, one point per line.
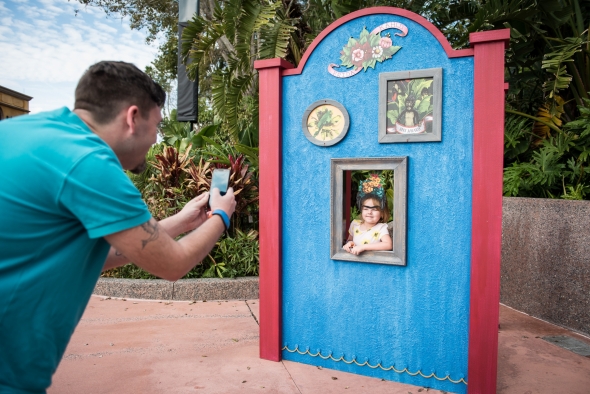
x=218, y=94
x=238, y=87
x=276, y=40
x=556, y=62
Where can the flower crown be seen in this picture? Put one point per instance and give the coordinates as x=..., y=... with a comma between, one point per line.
x=375, y=186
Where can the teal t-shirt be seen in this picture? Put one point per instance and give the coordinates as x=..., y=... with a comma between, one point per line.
x=62, y=189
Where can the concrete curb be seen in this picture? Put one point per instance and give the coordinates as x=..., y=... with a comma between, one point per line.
x=182, y=290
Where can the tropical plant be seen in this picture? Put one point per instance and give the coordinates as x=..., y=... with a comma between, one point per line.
x=180, y=134
x=554, y=168
x=221, y=46
x=128, y=271
x=548, y=69
x=238, y=255
x=200, y=177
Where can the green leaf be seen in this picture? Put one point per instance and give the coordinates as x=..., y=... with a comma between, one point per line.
x=392, y=115
x=555, y=63
x=207, y=131
x=211, y=142
x=276, y=40
x=423, y=106
x=364, y=35
x=374, y=39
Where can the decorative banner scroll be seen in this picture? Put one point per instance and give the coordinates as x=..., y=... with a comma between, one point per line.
x=369, y=49
x=418, y=129
x=392, y=25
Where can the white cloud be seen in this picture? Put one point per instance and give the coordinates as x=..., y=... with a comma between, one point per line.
x=3, y=9
x=47, y=45
x=30, y=12
x=104, y=27
x=6, y=21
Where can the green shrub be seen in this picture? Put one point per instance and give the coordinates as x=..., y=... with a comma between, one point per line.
x=236, y=255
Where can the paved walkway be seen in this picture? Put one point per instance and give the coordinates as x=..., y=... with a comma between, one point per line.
x=146, y=347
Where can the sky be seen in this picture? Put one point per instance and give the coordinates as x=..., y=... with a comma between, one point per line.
x=45, y=47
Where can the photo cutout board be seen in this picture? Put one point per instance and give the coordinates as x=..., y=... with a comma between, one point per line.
x=380, y=178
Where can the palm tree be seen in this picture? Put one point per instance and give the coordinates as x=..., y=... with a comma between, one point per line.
x=220, y=47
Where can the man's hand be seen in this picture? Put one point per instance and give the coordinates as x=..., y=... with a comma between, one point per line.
x=194, y=213
x=226, y=203
x=157, y=252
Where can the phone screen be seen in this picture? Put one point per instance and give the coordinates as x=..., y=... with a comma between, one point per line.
x=220, y=180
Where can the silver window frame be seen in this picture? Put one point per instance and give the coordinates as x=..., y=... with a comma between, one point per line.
x=399, y=166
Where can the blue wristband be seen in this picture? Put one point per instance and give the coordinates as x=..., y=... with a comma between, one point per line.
x=223, y=217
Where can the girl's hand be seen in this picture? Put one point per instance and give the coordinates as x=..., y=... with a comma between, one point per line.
x=357, y=249
x=348, y=246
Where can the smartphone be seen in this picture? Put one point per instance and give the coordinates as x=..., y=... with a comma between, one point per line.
x=220, y=180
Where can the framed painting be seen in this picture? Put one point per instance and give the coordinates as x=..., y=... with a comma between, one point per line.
x=325, y=122
x=410, y=106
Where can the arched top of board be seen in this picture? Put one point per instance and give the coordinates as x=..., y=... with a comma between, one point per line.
x=450, y=52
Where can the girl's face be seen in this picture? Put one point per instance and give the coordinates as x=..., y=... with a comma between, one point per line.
x=370, y=212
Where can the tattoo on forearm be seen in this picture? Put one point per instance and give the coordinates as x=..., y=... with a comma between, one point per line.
x=153, y=231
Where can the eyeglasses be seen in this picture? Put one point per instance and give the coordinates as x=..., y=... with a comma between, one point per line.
x=374, y=208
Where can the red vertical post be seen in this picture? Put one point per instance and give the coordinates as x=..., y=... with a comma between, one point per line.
x=486, y=241
x=270, y=102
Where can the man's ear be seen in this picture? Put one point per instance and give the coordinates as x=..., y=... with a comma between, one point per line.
x=131, y=117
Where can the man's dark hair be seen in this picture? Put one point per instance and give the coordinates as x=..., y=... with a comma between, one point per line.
x=107, y=87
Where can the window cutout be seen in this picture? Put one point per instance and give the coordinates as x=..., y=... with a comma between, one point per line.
x=386, y=177
x=410, y=106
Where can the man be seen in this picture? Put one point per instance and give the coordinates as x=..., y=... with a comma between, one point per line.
x=68, y=211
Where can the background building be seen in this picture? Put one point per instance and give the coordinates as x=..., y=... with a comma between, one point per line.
x=13, y=103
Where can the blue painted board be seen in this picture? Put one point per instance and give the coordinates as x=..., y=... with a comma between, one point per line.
x=412, y=318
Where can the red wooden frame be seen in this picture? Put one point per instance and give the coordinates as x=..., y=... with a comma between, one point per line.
x=486, y=218
x=270, y=157
x=488, y=52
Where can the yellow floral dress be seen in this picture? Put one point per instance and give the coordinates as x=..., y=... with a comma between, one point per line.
x=370, y=236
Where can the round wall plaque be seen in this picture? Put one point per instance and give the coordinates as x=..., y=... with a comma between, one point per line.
x=325, y=122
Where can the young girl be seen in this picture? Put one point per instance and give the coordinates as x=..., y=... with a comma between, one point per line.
x=369, y=233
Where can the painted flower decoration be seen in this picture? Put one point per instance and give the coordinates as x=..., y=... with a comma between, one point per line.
x=377, y=52
x=360, y=52
x=367, y=50
x=385, y=42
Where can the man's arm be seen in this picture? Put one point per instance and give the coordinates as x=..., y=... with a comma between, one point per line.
x=117, y=259
x=150, y=247
x=192, y=215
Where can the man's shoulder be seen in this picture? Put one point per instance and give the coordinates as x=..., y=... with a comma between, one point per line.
x=58, y=138
x=46, y=126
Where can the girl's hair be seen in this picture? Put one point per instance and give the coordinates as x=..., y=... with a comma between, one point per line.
x=382, y=209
